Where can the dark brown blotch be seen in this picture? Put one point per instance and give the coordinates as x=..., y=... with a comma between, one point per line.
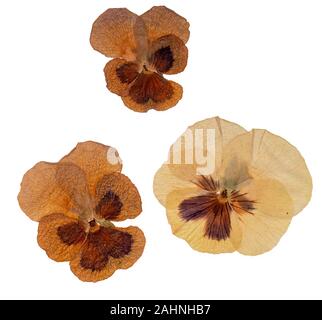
x=71, y=233
x=109, y=206
x=163, y=59
x=127, y=72
x=102, y=244
x=150, y=86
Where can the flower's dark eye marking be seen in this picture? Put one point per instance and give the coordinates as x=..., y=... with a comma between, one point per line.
x=109, y=206
x=162, y=59
x=127, y=72
x=102, y=244
x=71, y=233
x=150, y=86
x=215, y=206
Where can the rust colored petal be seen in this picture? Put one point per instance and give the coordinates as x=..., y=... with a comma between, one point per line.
x=117, y=198
x=152, y=91
x=168, y=55
x=107, y=250
x=161, y=21
x=60, y=236
x=119, y=73
x=113, y=34
x=96, y=160
x=40, y=194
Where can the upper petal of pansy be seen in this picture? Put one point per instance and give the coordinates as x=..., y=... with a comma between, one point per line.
x=168, y=55
x=60, y=236
x=119, y=74
x=191, y=217
x=114, y=34
x=161, y=21
x=198, y=151
x=51, y=187
x=117, y=198
x=106, y=250
x=270, y=216
x=266, y=154
x=96, y=160
x=152, y=91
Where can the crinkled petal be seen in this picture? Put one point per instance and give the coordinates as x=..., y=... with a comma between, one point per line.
x=60, y=236
x=117, y=198
x=161, y=21
x=96, y=160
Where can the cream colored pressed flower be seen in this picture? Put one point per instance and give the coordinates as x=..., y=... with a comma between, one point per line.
x=232, y=189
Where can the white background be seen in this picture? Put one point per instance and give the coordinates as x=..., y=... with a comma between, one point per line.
x=257, y=63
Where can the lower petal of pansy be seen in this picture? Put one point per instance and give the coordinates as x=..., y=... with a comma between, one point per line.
x=40, y=194
x=195, y=222
x=152, y=91
x=60, y=236
x=269, y=218
x=107, y=250
x=117, y=198
x=119, y=73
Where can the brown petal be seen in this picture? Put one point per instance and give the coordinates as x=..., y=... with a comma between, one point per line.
x=168, y=55
x=119, y=74
x=113, y=34
x=60, y=236
x=107, y=250
x=96, y=160
x=161, y=21
x=40, y=194
x=152, y=91
x=117, y=198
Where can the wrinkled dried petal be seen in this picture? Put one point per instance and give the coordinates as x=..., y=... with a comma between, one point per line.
x=60, y=236
x=153, y=92
x=96, y=160
x=117, y=198
x=168, y=55
x=107, y=250
x=119, y=74
x=113, y=34
x=161, y=21
x=40, y=194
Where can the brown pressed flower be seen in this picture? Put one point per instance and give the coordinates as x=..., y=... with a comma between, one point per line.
x=144, y=48
x=232, y=189
x=75, y=201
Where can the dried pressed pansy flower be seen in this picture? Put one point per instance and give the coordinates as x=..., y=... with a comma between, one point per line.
x=227, y=189
x=144, y=48
x=75, y=201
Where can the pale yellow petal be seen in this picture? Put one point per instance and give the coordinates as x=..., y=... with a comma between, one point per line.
x=268, y=155
x=193, y=231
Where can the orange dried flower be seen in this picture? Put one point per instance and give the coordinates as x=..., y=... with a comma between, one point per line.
x=74, y=201
x=144, y=48
x=226, y=189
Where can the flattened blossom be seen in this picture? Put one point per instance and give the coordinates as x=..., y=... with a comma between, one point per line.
x=75, y=201
x=246, y=200
x=144, y=48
